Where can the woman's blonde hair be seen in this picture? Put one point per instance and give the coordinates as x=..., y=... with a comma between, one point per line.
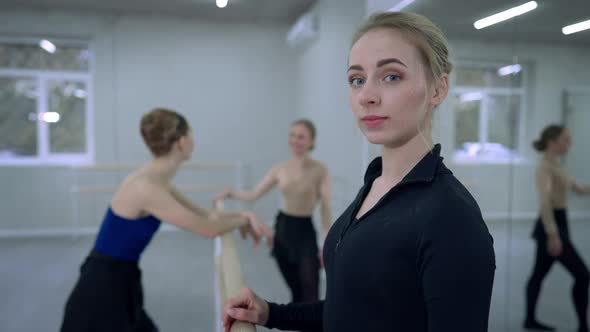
x=309, y=126
x=425, y=35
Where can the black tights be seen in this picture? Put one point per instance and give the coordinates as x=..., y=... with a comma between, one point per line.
x=572, y=261
x=302, y=278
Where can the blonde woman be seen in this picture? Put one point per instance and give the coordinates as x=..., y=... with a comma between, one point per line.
x=551, y=230
x=411, y=252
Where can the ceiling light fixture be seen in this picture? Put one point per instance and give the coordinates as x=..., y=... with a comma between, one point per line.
x=400, y=5
x=505, y=15
x=221, y=3
x=47, y=46
x=581, y=26
x=510, y=69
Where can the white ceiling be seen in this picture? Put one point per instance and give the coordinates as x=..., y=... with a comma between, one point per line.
x=456, y=17
x=283, y=11
x=543, y=24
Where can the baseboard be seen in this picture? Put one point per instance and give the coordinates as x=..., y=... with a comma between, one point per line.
x=501, y=216
x=63, y=231
x=81, y=231
x=47, y=232
x=527, y=216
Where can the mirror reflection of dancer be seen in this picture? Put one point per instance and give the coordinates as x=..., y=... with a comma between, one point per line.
x=551, y=231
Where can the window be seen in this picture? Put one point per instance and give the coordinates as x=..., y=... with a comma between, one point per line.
x=488, y=103
x=45, y=102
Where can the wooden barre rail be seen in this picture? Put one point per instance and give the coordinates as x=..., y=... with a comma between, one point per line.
x=130, y=166
x=112, y=189
x=229, y=279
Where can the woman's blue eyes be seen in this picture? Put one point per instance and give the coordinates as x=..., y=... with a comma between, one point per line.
x=356, y=81
x=391, y=78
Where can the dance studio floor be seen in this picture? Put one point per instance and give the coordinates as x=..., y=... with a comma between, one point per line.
x=36, y=275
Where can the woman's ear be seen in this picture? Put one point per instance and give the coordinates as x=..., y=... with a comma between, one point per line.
x=440, y=90
x=181, y=143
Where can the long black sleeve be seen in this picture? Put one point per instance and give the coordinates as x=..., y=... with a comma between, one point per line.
x=296, y=316
x=457, y=273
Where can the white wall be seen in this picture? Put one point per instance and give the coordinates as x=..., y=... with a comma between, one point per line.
x=234, y=83
x=322, y=95
x=503, y=188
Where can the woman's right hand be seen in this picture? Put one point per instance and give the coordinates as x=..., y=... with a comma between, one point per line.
x=554, y=245
x=227, y=193
x=256, y=228
x=246, y=306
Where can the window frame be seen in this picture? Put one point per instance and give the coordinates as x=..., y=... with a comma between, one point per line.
x=483, y=130
x=44, y=156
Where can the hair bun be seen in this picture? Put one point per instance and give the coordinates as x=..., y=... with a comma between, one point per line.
x=539, y=145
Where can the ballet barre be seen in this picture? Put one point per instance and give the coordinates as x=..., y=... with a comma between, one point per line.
x=112, y=189
x=228, y=278
x=234, y=170
x=130, y=166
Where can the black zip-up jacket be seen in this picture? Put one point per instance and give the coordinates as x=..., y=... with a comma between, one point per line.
x=421, y=260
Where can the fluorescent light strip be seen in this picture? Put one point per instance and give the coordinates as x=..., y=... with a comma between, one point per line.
x=49, y=117
x=568, y=30
x=400, y=5
x=47, y=46
x=505, y=15
x=221, y=3
x=471, y=96
x=511, y=69
x=79, y=93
